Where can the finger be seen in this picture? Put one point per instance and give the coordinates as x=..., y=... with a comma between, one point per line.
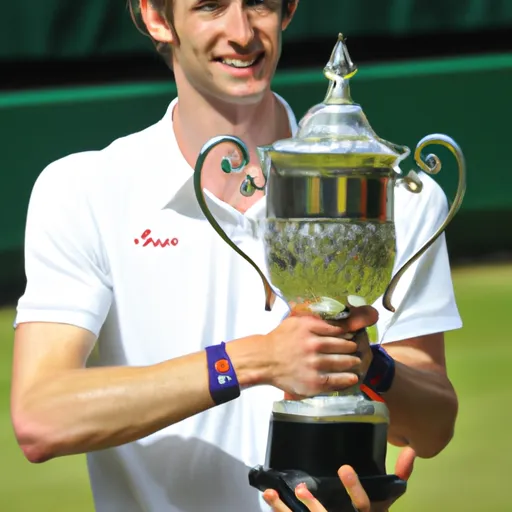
x=272, y=500
x=405, y=463
x=322, y=328
x=403, y=469
x=359, y=318
x=338, y=363
x=331, y=345
x=338, y=381
x=303, y=494
x=354, y=489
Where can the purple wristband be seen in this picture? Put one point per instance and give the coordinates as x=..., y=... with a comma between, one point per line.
x=221, y=375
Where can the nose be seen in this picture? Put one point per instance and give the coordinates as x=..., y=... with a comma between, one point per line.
x=239, y=27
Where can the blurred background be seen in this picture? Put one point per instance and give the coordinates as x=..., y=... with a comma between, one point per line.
x=77, y=75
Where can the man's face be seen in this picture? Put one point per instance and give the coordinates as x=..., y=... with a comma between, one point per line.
x=228, y=50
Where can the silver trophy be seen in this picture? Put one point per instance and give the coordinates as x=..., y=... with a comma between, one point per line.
x=329, y=239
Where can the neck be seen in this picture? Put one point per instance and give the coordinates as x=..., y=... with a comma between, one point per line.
x=197, y=119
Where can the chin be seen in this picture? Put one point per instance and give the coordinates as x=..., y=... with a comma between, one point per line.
x=245, y=96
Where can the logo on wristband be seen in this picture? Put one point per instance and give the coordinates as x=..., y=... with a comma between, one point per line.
x=223, y=379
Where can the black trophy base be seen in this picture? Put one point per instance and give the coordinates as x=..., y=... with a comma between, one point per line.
x=312, y=452
x=328, y=490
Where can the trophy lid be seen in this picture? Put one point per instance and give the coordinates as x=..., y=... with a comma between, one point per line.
x=338, y=126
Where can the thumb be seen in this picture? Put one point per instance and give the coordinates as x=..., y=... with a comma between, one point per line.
x=405, y=463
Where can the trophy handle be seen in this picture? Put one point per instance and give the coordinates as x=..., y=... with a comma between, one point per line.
x=431, y=165
x=247, y=188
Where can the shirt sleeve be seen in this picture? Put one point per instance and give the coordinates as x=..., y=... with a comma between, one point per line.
x=424, y=298
x=67, y=278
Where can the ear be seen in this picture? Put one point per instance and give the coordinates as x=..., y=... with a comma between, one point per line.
x=156, y=24
x=290, y=12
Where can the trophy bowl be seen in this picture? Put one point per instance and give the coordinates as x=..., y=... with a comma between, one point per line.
x=330, y=244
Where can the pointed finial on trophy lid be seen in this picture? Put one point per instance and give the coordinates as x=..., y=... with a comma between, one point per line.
x=340, y=65
x=339, y=70
x=338, y=127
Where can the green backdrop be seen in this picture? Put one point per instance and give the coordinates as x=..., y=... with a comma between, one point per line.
x=53, y=29
x=467, y=98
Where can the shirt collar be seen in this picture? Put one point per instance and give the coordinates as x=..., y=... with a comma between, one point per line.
x=182, y=197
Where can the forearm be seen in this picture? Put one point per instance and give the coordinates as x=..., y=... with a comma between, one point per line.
x=422, y=402
x=82, y=410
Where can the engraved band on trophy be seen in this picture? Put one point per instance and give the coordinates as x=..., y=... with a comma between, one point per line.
x=330, y=243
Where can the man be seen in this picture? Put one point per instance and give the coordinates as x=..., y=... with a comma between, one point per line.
x=119, y=256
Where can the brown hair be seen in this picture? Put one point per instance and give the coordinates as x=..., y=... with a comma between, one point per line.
x=165, y=9
x=161, y=5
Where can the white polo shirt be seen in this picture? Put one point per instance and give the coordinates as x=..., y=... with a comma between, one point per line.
x=116, y=243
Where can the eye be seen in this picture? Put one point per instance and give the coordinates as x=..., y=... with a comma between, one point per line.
x=208, y=6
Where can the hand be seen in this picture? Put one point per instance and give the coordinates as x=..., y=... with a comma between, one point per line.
x=349, y=479
x=360, y=336
x=309, y=356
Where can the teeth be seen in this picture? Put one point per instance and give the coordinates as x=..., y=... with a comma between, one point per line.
x=236, y=63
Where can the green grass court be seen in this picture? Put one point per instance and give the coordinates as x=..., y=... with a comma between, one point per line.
x=470, y=475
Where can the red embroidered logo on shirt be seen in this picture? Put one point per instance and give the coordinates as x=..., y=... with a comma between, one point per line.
x=156, y=243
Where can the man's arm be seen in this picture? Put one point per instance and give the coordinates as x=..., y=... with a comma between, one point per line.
x=60, y=407
x=422, y=401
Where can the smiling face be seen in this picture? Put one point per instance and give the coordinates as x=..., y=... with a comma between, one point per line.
x=226, y=50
